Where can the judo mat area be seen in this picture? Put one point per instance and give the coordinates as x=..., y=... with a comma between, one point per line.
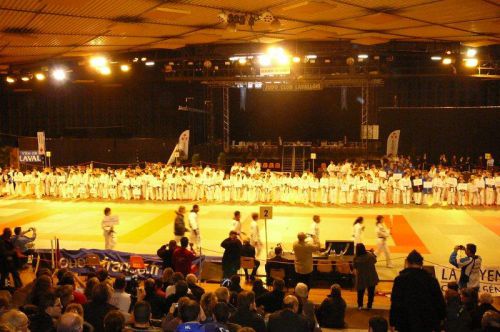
x=145, y=226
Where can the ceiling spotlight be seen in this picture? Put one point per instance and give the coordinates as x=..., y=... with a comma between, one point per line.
x=125, y=68
x=135, y=59
x=283, y=59
x=40, y=76
x=144, y=59
x=362, y=56
x=98, y=61
x=264, y=60
x=105, y=70
x=311, y=56
x=267, y=17
x=470, y=63
x=25, y=78
x=471, y=52
x=276, y=24
x=447, y=61
x=296, y=59
x=10, y=80
x=436, y=58
x=59, y=74
x=222, y=16
x=328, y=60
x=242, y=60
x=149, y=63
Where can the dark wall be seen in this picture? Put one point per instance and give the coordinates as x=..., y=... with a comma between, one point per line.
x=134, y=109
x=312, y=115
x=469, y=132
x=144, y=106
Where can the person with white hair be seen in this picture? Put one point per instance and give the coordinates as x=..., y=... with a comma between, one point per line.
x=16, y=320
x=306, y=307
x=70, y=322
x=485, y=304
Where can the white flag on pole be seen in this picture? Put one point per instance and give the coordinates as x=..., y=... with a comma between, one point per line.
x=184, y=145
x=41, y=142
x=392, y=143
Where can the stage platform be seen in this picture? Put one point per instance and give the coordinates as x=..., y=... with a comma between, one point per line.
x=145, y=226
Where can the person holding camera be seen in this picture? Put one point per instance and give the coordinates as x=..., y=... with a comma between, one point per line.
x=22, y=242
x=470, y=266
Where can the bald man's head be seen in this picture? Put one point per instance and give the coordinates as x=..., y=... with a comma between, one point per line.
x=70, y=322
x=301, y=236
x=290, y=302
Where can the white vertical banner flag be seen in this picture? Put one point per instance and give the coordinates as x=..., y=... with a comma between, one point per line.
x=41, y=142
x=392, y=143
x=184, y=145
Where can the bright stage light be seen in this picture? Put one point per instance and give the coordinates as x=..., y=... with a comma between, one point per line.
x=470, y=63
x=362, y=56
x=150, y=63
x=10, y=80
x=242, y=60
x=98, y=61
x=59, y=74
x=296, y=59
x=125, y=68
x=105, y=70
x=144, y=59
x=40, y=76
x=264, y=60
x=25, y=78
x=436, y=58
x=283, y=59
x=446, y=61
x=311, y=56
x=471, y=52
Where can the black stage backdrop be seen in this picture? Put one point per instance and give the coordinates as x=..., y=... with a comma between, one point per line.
x=471, y=131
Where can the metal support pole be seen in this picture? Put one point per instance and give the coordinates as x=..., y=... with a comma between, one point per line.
x=225, y=118
x=365, y=104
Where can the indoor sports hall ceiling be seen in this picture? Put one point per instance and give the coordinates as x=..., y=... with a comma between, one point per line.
x=33, y=30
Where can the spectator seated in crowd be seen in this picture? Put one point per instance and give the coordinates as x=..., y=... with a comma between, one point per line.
x=276, y=263
x=98, y=307
x=114, y=321
x=158, y=304
x=289, y=319
x=120, y=298
x=70, y=322
x=273, y=301
x=246, y=314
x=190, y=316
x=141, y=318
x=258, y=288
x=196, y=290
x=331, y=312
x=378, y=324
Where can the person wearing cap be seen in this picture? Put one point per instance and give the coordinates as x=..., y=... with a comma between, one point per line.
x=417, y=303
x=232, y=255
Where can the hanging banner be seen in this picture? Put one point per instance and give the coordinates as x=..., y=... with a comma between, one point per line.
x=489, y=282
x=115, y=262
x=283, y=87
x=392, y=143
x=41, y=142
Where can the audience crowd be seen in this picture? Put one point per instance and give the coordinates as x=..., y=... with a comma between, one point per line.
x=60, y=301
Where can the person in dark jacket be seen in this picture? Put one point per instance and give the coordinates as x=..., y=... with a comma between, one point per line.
x=417, y=304
x=331, y=312
x=157, y=303
x=49, y=310
x=98, y=307
x=288, y=319
x=247, y=250
x=258, y=288
x=457, y=318
x=166, y=252
x=485, y=304
x=273, y=301
x=196, y=290
x=366, y=274
x=9, y=260
x=179, y=224
x=232, y=255
x=246, y=315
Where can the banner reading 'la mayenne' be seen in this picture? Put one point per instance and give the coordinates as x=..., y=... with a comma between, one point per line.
x=115, y=262
x=490, y=278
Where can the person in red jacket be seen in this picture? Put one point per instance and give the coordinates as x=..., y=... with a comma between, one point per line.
x=182, y=257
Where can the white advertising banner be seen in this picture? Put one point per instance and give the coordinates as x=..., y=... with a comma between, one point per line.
x=392, y=143
x=490, y=278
